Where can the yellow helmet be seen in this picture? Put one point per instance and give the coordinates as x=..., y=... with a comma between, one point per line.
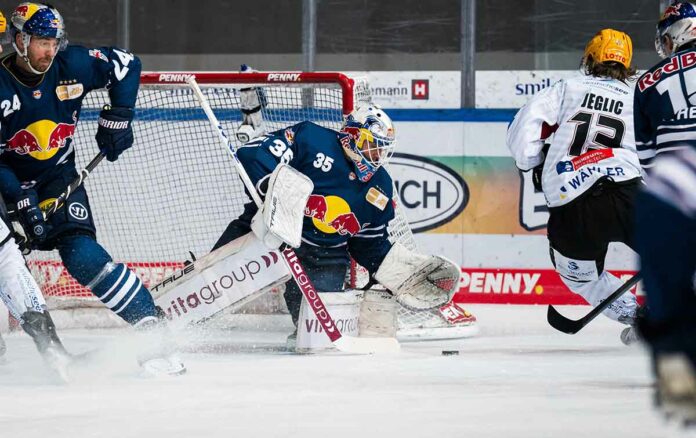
x=610, y=45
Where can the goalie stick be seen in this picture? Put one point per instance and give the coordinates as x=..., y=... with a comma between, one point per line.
x=343, y=343
x=569, y=326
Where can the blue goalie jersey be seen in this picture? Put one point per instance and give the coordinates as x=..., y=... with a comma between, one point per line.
x=665, y=107
x=342, y=210
x=38, y=122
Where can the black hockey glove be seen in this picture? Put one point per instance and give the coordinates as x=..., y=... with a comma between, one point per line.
x=538, y=171
x=32, y=219
x=115, y=133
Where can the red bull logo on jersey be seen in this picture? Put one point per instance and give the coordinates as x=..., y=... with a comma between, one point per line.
x=41, y=140
x=331, y=214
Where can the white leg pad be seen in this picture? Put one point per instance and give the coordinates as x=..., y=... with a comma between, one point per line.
x=595, y=291
x=18, y=289
x=378, y=315
x=344, y=308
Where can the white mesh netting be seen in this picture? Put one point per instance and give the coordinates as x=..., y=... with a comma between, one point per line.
x=175, y=190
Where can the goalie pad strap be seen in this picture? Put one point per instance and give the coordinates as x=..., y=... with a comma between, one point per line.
x=378, y=315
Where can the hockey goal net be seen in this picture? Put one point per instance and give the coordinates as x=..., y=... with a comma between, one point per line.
x=173, y=193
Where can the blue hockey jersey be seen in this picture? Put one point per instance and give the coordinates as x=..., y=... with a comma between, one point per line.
x=666, y=237
x=37, y=123
x=665, y=107
x=341, y=210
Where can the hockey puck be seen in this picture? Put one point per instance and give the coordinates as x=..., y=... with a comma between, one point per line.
x=450, y=352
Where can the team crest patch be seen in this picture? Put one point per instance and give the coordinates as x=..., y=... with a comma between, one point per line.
x=289, y=136
x=37, y=94
x=78, y=211
x=377, y=198
x=68, y=92
x=96, y=53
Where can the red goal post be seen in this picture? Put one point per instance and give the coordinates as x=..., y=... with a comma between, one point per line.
x=349, y=86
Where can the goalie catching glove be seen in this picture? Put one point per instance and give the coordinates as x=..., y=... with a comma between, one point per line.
x=418, y=281
x=279, y=219
x=252, y=101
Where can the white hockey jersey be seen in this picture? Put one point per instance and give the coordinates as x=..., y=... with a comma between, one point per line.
x=592, y=122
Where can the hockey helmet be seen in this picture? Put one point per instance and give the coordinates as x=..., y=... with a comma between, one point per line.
x=610, y=45
x=372, y=139
x=678, y=23
x=40, y=20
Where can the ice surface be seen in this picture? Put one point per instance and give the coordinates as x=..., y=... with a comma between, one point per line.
x=519, y=378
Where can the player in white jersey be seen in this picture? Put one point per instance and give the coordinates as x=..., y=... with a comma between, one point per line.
x=21, y=294
x=589, y=171
x=23, y=298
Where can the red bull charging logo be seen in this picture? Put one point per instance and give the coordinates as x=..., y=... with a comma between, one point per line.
x=331, y=214
x=42, y=139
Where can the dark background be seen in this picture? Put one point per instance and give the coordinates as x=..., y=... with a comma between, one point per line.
x=359, y=34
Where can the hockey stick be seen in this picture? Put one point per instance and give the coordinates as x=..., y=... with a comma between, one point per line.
x=567, y=325
x=74, y=184
x=60, y=200
x=349, y=344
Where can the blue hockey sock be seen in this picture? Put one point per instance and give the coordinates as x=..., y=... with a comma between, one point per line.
x=114, y=284
x=122, y=291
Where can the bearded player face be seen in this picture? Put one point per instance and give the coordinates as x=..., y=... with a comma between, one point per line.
x=40, y=52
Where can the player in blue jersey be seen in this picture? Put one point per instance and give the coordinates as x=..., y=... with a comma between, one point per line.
x=664, y=102
x=42, y=86
x=666, y=242
x=665, y=123
x=348, y=211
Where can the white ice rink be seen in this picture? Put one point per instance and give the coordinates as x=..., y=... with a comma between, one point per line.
x=518, y=378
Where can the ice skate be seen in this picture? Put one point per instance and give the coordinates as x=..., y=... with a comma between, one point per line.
x=450, y=321
x=40, y=327
x=676, y=386
x=157, y=354
x=630, y=335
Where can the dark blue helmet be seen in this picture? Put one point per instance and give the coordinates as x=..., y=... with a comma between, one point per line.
x=678, y=24
x=37, y=19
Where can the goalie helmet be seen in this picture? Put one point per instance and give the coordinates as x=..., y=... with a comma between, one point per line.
x=36, y=19
x=372, y=139
x=676, y=26
x=609, y=45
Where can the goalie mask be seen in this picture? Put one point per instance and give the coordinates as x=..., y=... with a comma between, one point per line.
x=36, y=20
x=371, y=139
x=676, y=28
